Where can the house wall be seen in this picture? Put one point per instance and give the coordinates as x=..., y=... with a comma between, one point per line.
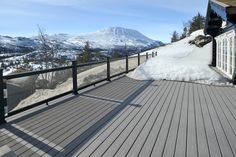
x=226, y=52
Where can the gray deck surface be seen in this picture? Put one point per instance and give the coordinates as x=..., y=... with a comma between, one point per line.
x=131, y=118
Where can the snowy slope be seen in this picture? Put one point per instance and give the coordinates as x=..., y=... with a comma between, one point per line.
x=17, y=42
x=180, y=61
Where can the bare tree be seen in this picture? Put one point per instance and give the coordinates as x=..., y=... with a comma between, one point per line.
x=47, y=50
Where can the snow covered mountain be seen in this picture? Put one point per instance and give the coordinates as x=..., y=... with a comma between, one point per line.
x=116, y=37
x=110, y=38
x=17, y=44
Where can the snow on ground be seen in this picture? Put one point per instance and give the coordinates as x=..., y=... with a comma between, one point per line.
x=8, y=71
x=180, y=61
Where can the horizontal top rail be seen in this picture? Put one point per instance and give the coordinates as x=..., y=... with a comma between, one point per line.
x=74, y=72
x=37, y=72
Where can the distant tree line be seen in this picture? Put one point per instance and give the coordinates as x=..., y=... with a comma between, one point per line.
x=196, y=23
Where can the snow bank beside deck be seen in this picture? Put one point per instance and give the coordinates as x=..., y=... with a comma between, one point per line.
x=182, y=62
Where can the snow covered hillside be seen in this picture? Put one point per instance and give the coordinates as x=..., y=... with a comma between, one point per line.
x=180, y=61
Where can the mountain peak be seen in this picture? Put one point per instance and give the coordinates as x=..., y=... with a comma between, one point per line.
x=124, y=32
x=116, y=37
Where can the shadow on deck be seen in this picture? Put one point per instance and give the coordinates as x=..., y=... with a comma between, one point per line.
x=64, y=127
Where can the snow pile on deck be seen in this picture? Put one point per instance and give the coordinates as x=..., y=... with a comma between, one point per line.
x=180, y=61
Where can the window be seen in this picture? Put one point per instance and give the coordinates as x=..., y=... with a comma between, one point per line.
x=226, y=55
x=231, y=55
x=234, y=54
x=219, y=54
x=223, y=55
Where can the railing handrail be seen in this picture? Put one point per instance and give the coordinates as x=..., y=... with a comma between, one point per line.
x=37, y=72
x=73, y=67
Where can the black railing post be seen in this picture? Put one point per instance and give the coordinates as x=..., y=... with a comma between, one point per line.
x=146, y=56
x=2, y=112
x=127, y=63
x=234, y=77
x=5, y=98
x=138, y=59
x=152, y=54
x=74, y=76
x=108, y=69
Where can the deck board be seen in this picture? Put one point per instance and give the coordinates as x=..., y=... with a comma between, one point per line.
x=132, y=130
x=202, y=143
x=127, y=117
x=174, y=127
x=213, y=144
x=154, y=132
x=192, y=147
x=180, y=146
x=161, y=138
x=220, y=132
x=107, y=131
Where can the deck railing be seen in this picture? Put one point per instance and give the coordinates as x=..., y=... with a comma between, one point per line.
x=23, y=91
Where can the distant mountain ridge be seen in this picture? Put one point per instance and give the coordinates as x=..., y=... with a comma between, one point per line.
x=110, y=38
x=117, y=36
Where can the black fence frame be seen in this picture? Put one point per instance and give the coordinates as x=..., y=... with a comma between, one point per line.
x=75, y=89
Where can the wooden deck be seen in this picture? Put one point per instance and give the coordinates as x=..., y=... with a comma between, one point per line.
x=131, y=118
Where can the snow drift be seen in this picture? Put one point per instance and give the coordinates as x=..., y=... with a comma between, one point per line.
x=180, y=61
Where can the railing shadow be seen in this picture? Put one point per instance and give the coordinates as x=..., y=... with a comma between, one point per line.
x=95, y=126
x=78, y=142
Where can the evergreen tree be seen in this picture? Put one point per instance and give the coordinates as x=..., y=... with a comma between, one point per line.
x=185, y=32
x=175, y=37
x=86, y=55
x=197, y=23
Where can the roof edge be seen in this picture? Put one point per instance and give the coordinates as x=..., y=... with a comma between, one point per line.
x=220, y=3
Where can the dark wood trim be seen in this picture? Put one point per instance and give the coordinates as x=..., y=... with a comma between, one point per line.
x=2, y=111
x=25, y=74
x=213, y=63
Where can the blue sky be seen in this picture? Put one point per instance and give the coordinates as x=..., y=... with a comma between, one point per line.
x=156, y=19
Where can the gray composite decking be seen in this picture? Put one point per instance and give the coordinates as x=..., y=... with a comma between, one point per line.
x=131, y=118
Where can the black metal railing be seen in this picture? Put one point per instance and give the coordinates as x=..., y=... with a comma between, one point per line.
x=11, y=86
